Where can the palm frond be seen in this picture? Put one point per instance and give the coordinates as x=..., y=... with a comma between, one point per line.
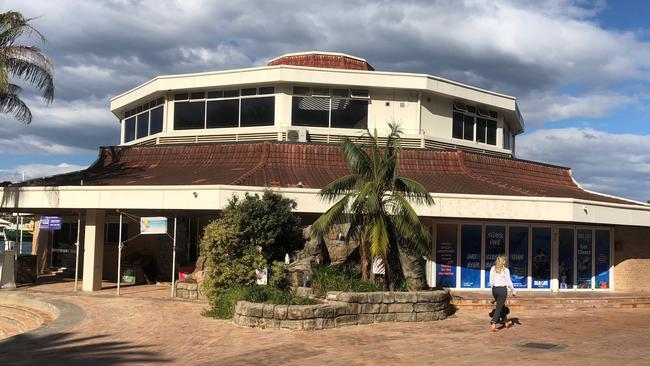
x=377, y=234
x=413, y=190
x=339, y=186
x=11, y=104
x=357, y=157
x=29, y=64
x=335, y=215
x=14, y=25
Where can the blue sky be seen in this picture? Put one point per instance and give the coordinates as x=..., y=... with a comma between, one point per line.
x=580, y=69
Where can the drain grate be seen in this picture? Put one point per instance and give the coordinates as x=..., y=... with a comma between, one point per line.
x=538, y=345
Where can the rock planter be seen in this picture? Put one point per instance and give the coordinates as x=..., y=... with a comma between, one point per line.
x=189, y=289
x=347, y=308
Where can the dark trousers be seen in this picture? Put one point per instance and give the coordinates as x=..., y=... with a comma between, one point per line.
x=499, y=293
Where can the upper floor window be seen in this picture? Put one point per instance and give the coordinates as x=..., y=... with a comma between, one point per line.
x=225, y=108
x=325, y=107
x=474, y=124
x=143, y=120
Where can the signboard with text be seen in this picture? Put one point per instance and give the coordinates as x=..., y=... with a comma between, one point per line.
x=50, y=223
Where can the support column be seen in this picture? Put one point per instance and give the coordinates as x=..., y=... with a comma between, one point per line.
x=93, y=250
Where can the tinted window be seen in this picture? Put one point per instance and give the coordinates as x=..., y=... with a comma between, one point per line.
x=492, y=132
x=468, y=128
x=143, y=125
x=481, y=124
x=231, y=93
x=310, y=111
x=188, y=116
x=215, y=94
x=349, y=113
x=156, y=120
x=249, y=91
x=129, y=129
x=257, y=112
x=458, y=126
x=181, y=96
x=223, y=113
x=267, y=90
x=200, y=95
x=301, y=90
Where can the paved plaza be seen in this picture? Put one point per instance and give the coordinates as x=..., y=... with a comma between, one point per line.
x=141, y=329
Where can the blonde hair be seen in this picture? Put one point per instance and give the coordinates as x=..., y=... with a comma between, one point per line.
x=500, y=263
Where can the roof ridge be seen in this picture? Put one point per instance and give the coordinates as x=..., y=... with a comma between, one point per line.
x=482, y=178
x=266, y=152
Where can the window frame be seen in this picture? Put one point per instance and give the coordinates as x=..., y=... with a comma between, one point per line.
x=475, y=113
x=333, y=93
x=261, y=91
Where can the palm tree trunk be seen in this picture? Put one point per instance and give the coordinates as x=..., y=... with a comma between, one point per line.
x=363, y=257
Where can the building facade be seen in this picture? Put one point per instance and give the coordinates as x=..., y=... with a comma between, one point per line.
x=190, y=142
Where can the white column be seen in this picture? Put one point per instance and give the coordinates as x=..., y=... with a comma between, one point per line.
x=93, y=250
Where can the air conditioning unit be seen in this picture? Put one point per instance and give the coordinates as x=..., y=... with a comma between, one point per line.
x=297, y=135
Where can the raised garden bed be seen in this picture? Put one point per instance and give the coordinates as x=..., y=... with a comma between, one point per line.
x=347, y=308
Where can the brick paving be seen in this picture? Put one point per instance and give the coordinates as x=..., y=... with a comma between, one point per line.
x=141, y=330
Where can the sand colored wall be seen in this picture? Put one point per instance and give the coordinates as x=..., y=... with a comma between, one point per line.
x=632, y=259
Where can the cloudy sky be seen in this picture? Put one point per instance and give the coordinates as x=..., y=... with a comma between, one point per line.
x=580, y=69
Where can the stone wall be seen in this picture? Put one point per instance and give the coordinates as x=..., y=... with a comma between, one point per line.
x=631, y=259
x=189, y=290
x=347, y=308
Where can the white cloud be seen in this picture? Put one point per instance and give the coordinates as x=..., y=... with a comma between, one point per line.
x=616, y=164
x=31, y=171
x=34, y=145
x=551, y=107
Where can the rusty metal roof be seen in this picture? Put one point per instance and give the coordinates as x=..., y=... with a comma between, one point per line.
x=283, y=164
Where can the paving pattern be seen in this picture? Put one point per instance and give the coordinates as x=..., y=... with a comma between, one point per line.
x=141, y=330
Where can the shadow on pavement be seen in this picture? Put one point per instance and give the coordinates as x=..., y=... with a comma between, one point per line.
x=65, y=349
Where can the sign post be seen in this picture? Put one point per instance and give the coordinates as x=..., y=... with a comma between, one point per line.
x=119, y=256
x=77, y=245
x=174, y=260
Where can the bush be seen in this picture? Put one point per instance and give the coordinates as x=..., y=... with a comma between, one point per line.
x=225, y=302
x=251, y=233
x=341, y=278
x=279, y=276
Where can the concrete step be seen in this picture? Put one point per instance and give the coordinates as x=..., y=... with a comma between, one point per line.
x=17, y=318
x=559, y=305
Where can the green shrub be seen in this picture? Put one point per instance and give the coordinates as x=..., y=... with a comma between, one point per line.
x=225, y=302
x=341, y=278
x=279, y=276
x=251, y=233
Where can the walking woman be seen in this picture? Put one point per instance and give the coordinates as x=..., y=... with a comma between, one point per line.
x=500, y=282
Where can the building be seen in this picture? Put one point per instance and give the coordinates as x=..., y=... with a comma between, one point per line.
x=189, y=142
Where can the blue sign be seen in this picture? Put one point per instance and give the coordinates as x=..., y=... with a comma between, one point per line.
x=584, y=259
x=50, y=223
x=495, y=245
x=470, y=256
x=518, y=262
x=602, y=259
x=541, y=257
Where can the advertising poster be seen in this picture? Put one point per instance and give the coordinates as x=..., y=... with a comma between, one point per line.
x=565, y=259
x=602, y=259
x=583, y=259
x=153, y=225
x=495, y=245
x=541, y=257
x=446, y=255
x=518, y=256
x=470, y=256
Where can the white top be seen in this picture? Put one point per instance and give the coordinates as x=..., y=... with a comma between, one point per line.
x=501, y=279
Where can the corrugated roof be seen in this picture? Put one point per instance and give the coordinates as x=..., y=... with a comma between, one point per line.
x=282, y=164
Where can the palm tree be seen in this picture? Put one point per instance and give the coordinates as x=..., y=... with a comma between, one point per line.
x=377, y=204
x=21, y=61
